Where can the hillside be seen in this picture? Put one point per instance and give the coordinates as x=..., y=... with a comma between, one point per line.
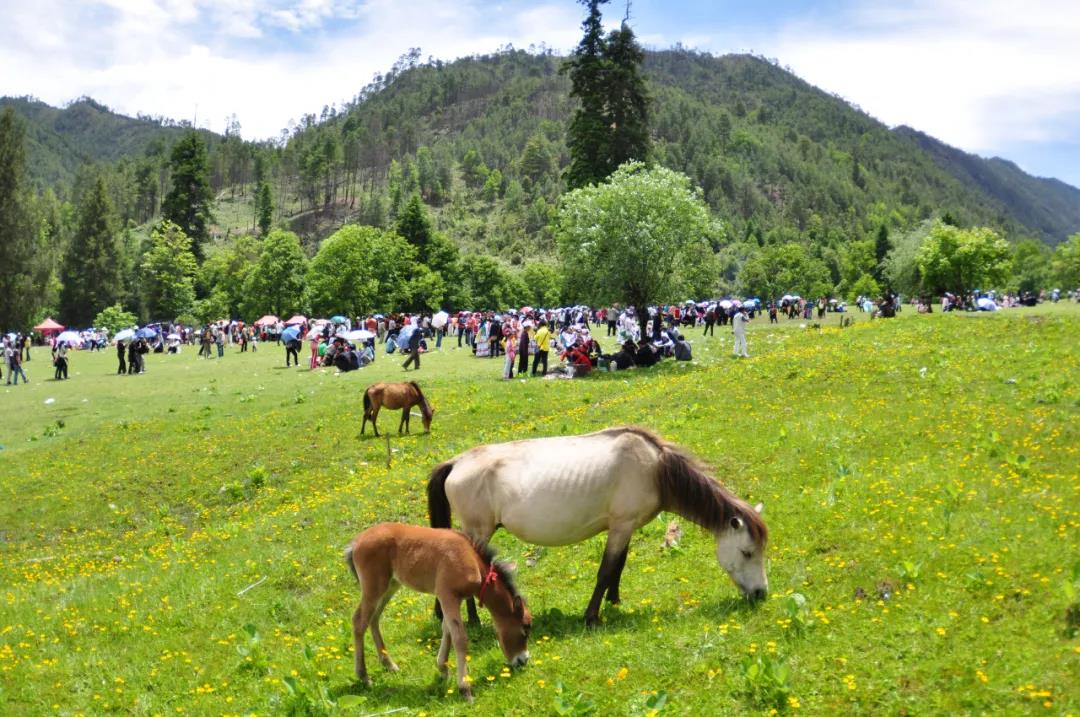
x=62, y=140
x=1048, y=205
x=778, y=159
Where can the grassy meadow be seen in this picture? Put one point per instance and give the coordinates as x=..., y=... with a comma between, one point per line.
x=170, y=544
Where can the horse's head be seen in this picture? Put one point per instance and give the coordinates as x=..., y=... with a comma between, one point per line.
x=427, y=412
x=740, y=550
x=512, y=619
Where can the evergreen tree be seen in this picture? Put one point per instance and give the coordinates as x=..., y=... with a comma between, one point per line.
x=264, y=208
x=626, y=100
x=188, y=202
x=881, y=250
x=17, y=298
x=415, y=226
x=92, y=272
x=587, y=135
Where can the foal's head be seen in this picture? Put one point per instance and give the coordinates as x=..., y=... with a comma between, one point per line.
x=740, y=550
x=509, y=612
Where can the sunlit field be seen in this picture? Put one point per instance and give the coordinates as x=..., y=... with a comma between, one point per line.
x=170, y=543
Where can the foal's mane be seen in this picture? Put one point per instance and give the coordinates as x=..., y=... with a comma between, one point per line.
x=425, y=407
x=686, y=489
x=487, y=556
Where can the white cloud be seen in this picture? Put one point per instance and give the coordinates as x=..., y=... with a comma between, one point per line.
x=975, y=74
x=266, y=62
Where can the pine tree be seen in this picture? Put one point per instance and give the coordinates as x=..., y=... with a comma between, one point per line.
x=587, y=135
x=627, y=100
x=92, y=272
x=16, y=227
x=881, y=250
x=188, y=202
x=414, y=224
x=264, y=208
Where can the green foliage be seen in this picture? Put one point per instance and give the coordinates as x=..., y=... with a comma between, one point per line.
x=611, y=126
x=114, y=318
x=627, y=240
x=16, y=227
x=1065, y=266
x=768, y=680
x=415, y=226
x=493, y=286
x=360, y=270
x=542, y=284
x=785, y=268
x=959, y=260
x=276, y=284
x=224, y=274
x=168, y=273
x=92, y=267
x=865, y=285
x=189, y=200
x=264, y=208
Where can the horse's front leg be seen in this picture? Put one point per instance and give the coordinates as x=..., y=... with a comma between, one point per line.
x=617, y=542
x=613, y=584
x=451, y=605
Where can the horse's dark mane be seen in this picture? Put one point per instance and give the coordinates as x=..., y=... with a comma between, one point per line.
x=686, y=489
x=425, y=407
x=487, y=555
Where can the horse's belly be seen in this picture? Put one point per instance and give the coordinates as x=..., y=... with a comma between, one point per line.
x=543, y=523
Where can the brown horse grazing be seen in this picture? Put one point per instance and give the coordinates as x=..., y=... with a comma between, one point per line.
x=447, y=564
x=395, y=395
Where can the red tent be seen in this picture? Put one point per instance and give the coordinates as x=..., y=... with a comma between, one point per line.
x=48, y=326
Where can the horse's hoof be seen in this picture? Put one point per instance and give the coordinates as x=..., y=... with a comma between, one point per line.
x=364, y=680
x=592, y=621
x=466, y=692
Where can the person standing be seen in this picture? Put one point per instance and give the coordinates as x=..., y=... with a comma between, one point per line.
x=292, y=351
x=414, y=350
x=738, y=323
x=523, y=351
x=511, y=351
x=61, y=361
x=120, y=349
x=219, y=340
x=15, y=368
x=543, y=341
x=313, y=340
x=710, y=321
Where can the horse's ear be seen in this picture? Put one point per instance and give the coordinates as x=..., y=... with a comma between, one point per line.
x=759, y=508
x=736, y=522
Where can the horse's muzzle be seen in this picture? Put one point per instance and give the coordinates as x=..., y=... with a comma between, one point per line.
x=520, y=659
x=757, y=594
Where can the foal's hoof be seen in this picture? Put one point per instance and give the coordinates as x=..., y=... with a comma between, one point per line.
x=592, y=621
x=466, y=692
x=364, y=680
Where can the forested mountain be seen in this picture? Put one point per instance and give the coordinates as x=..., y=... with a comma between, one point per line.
x=63, y=140
x=1049, y=206
x=483, y=140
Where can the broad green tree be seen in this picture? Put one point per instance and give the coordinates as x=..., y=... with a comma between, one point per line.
x=17, y=231
x=276, y=284
x=188, y=203
x=92, y=273
x=1030, y=265
x=168, y=273
x=225, y=272
x=114, y=318
x=493, y=285
x=542, y=283
x=626, y=240
x=960, y=260
x=787, y=268
x=1065, y=265
x=359, y=270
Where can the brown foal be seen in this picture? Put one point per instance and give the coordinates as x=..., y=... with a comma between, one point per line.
x=440, y=562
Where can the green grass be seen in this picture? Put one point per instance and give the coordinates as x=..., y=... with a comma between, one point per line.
x=920, y=478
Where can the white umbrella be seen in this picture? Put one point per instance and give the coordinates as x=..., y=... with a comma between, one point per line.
x=70, y=337
x=359, y=335
x=984, y=304
x=124, y=335
x=439, y=320
x=173, y=337
x=725, y=304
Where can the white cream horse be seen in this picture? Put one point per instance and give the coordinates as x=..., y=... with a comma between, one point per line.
x=562, y=490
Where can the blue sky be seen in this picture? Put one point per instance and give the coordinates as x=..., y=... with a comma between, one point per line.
x=995, y=77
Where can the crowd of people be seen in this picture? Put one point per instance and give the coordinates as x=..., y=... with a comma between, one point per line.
x=527, y=339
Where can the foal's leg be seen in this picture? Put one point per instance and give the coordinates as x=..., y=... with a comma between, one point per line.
x=376, y=633
x=452, y=623
x=373, y=587
x=618, y=539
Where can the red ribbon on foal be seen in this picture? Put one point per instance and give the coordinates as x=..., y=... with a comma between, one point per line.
x=491, y=577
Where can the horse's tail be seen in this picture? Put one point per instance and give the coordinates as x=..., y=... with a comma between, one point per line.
x=349, y=561
x=367, y=402
x=438, y=505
